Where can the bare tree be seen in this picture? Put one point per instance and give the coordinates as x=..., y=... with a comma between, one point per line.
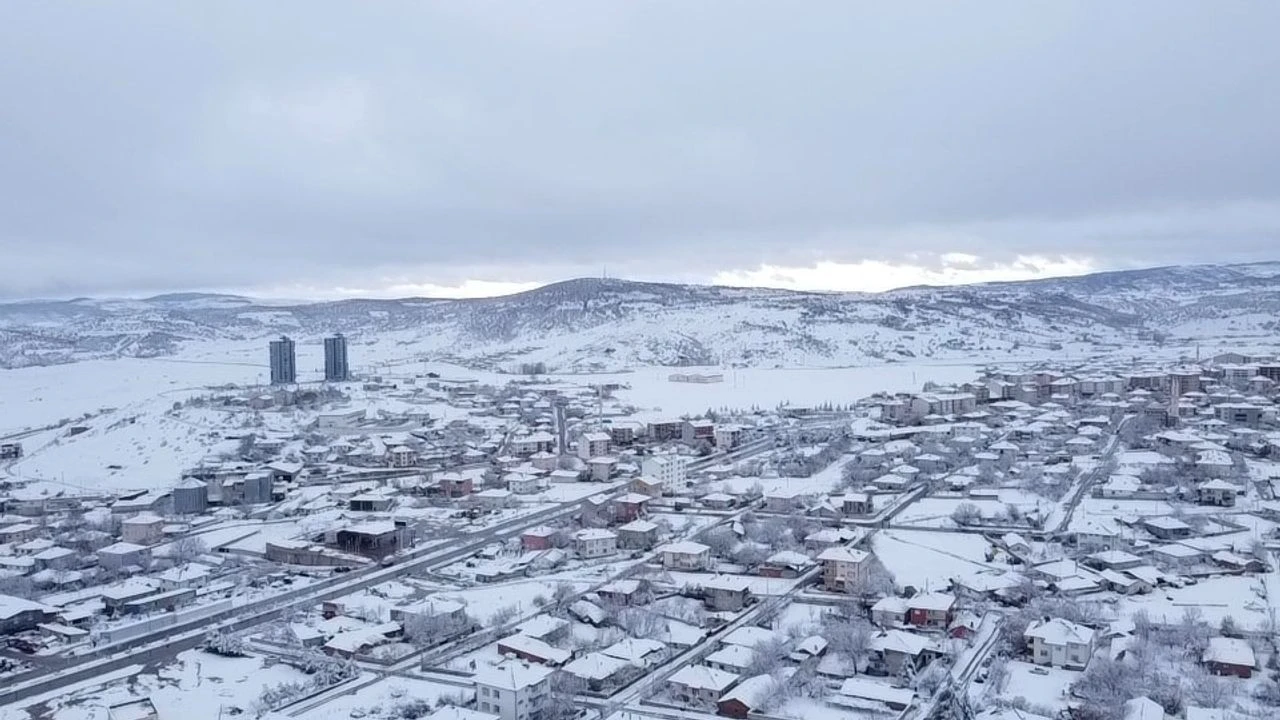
x=187, y=549
x=966, y=514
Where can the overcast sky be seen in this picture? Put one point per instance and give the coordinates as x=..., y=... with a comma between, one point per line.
x=316, y=149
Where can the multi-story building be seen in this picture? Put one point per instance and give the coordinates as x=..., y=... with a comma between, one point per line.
x=843, y=568
x=595, y=542
x=335, y=359
x=513, y=690
x=1059, y=643
x=670, y=470
x=284, y=362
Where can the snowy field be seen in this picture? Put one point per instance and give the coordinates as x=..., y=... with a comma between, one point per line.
x=386, y=697
x=197, y=686
x=1240, y=598
x=135, y=439
x=936, y=511
x=1041, y=686
x=928, y=560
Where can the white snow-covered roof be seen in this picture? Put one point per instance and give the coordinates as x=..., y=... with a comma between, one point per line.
x=732, y=583
x=684, y=547
x=639, y=526
x=899, y=641
x=870, y=690
x=751, y=692
x=932, y=601
x=1229, y=651
x=843, y=554
x=750, y=636
x=1165, y=522
x=1057, y=631
x=596, y=666
x=511, y=674
x=11, y=606
x=121, y=548
x=701, y=677
x=1143, y=708
x=634, y=650
x=734, y=656
x=536, y=648
x=453, y=712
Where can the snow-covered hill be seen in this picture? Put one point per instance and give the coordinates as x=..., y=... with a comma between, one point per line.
x=607, y=324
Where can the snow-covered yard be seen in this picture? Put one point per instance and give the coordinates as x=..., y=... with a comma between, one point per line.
x=928, y=560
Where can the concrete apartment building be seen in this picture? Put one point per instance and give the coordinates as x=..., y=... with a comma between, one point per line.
x=284, y=362
x=513, y=690
x=335, y=359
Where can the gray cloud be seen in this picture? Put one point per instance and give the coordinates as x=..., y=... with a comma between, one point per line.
x=154, y=146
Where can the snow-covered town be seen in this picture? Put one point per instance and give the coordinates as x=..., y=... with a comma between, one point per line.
x=1089, y=539
x=615, y=360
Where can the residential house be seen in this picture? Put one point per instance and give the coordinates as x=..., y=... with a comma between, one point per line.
x=1167, y=528
x=454, y=484
x=783, y=500
x=685, y=555
x=732, y=659
x=533, y=650
x=647, y=486
x=693, y=432
x=747, y=697
x=889, y=611
x=639, y=652
x=20, y=615
x=538, y=538
x=785, y=564
x=1216, y=492
x=637, y=535
x=513, y=690
x=896, y=650
x=1229, y=656
x=699, y=685
x=669, y=469
x=599, y=671
x=858, y=693
x=727, y=592
x=145, y=528
x=623, y=592
x=843, y=569
x=855, y=504
x=630, y=506
x=595, y=542
x=593, y=444
x=728, y=437
x=122, y=555
x=186, y=576
x=931, y=610
x=828, y=537
x=1059, y=643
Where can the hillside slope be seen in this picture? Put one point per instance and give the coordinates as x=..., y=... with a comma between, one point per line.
x=589, y=324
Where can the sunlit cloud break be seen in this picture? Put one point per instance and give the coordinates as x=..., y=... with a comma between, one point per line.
x=879, y=276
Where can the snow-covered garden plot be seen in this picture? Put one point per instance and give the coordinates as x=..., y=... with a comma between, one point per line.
x=818, y=484
x=938, y=511
x=197, y=686
x=485, y=601
x=390, y=697
x=924, y=559
x=652, y=391
x=1237, y=597
x=1041, y=686
x=759, y=586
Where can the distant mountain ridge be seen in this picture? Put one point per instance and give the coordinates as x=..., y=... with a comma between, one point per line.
x=596, y=324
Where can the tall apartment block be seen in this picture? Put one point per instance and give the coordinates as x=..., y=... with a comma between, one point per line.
x=284, y=364
x=335, y=359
